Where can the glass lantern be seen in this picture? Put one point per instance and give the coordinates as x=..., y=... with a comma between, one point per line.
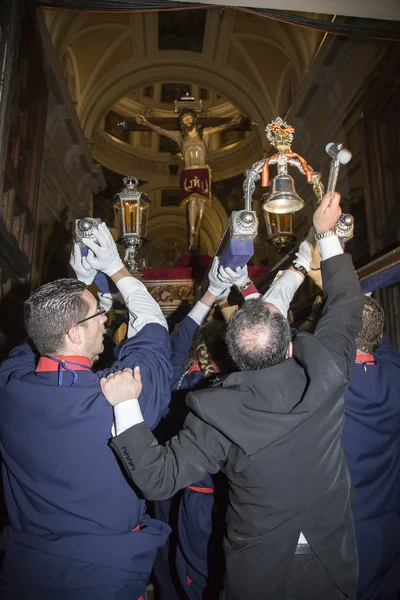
x=131, y=210
x=280, y=229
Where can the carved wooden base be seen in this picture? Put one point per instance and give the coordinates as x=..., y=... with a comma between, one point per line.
x=169, y=293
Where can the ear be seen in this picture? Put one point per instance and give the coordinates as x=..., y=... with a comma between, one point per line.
x=289, y=350
x=74, y=335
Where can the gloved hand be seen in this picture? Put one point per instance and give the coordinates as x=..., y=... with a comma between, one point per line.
x=103, y=257
x=83, y=270
x=216, y=287
x=232, y=276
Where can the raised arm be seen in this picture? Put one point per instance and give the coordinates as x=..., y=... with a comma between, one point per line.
x=181, y=343
x=207, y=131
x=103, y=256
x=148, y=345
x=173, y=135
x=342, y=313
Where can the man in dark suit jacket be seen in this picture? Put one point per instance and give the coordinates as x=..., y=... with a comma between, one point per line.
x=274, y=427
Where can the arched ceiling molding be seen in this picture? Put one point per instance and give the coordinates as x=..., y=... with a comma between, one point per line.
x=285, y=71
x=286, y=48
x=69, y=26
x=224, y=35
x=99, y=66
x=136, y=23
x=74, y=62
x=99, y=27
x=56, y=21
x=127, y=76
x=295, y=38
x=165, y=220
x=256, y=73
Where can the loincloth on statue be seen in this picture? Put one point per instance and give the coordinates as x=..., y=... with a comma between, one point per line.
x=195, y=182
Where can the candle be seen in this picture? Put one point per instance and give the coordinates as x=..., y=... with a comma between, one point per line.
x=127, y=218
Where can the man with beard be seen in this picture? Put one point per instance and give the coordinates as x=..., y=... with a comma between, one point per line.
x=195, y=181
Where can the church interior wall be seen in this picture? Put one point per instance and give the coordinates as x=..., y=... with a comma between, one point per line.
x=97, y=63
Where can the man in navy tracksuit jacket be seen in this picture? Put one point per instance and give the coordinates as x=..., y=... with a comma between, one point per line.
x=77, y=530
x=371, y=442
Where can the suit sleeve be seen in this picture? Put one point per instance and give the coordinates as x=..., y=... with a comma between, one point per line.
x=341, y=318
x=160, y=471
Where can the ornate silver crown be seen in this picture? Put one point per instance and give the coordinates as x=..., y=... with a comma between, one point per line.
x=278, y=124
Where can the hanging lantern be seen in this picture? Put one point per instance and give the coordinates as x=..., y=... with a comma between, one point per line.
x=280, y=227
x=131, y=211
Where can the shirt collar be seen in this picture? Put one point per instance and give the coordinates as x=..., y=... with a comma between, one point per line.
x=80, y=363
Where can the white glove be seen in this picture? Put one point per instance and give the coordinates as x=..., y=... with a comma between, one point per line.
x=105, y=301
x=304, y=256
x=232, y=276
x=83, y=270
x=216, y=287
x=104, y=257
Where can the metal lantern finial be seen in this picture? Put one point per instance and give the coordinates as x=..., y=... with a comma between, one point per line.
x=131, y=212
x=131, y=184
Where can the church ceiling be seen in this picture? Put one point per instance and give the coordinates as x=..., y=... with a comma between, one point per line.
x=119, y=64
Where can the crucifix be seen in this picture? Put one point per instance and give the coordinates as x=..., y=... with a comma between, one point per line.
x=192, y=140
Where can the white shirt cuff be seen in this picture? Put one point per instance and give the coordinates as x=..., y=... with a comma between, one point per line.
x=330, y=246
x=126, y=415
x=143, y=309
x=199, y=312
x=252, y=296
x=282, y=290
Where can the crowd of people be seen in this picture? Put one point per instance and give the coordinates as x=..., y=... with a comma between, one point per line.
x=270, y=455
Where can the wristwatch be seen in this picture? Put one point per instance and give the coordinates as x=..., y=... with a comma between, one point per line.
x=298, y=267
x=324, y=234
x=246, y=285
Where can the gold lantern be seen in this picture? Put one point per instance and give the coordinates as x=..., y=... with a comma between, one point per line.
x=280, y=228
x=131, y=210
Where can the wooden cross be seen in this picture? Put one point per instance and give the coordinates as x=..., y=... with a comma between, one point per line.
x=172, y=123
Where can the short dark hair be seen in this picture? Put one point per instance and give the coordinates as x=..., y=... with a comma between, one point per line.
x=373, y=319
x=257, y=337
x=51, y=311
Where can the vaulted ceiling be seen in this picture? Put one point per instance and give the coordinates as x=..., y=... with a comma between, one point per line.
x=117, y=65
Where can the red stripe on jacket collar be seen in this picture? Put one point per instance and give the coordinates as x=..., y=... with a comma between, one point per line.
x=195, y=367
x=46, y=364
x=362, y=359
